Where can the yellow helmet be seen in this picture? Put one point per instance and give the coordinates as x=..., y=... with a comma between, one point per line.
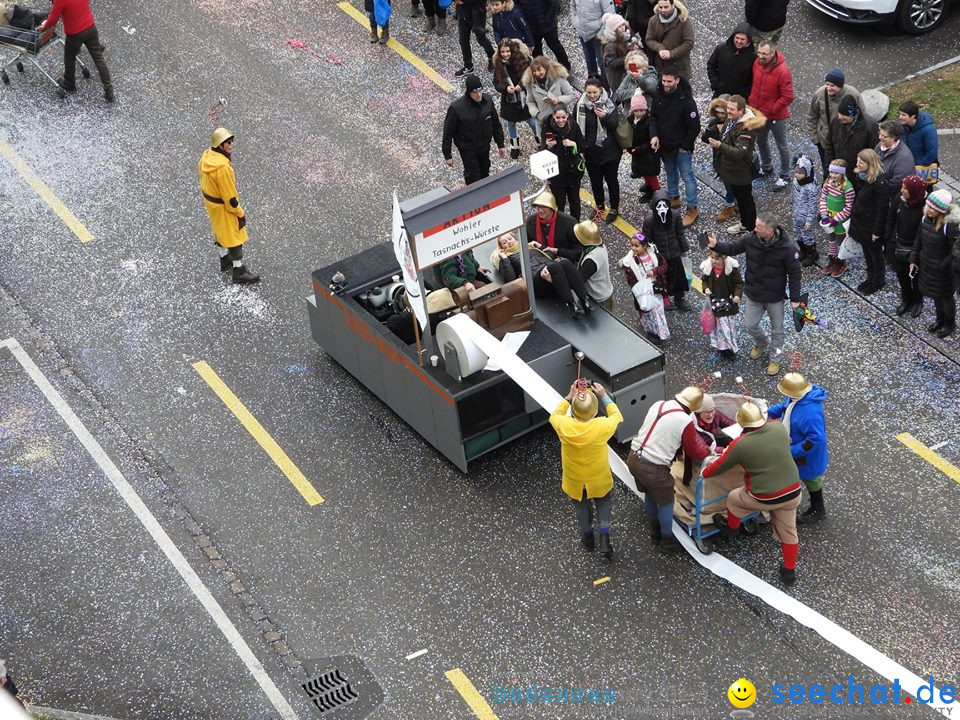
x=219, y=137
x=545, y=199
x=750, y=416
x=585, y=405
x=690, y=397
x=587, y=232
x=794, y=385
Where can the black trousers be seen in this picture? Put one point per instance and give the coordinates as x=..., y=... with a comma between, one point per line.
x=72, y=45
x=431, y=8
x=476, y=165
x=676, y=277
x=473, y=19
x=563, y=194
x=824, y=161
x=566, y=281
x=748, y=208
x=946, y=307
x=909, y=286
x=600, y=172
x=876, y=265
x=553, y=42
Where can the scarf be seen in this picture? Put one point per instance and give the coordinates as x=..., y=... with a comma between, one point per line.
x=670, y=18
x=582, y=117
x=553, y=228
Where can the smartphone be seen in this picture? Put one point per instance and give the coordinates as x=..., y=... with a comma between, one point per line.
x=633, y=67
x=549, y=136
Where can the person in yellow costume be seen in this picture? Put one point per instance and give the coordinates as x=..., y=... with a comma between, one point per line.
x=583, y=454
x=218, y=186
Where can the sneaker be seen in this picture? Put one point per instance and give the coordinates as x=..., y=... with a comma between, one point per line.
x=612, y=216
x=463, y=72
x=773, y=367
x=243, y=276
x=598, y=215
x=385, y=36
x=669, y=545
x=691, y=215
x=756, y=352
x=780, y=185
x=727, y=213
x=839, y=268
x=789, y=577
x=736, y=229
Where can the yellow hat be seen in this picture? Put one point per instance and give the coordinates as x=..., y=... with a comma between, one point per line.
x=690, y=397
x=794, y=385
x=220, y=136
x=545, y=199
x=440, y=300
x=585, y=405
x=750, y=416
x=587, y=232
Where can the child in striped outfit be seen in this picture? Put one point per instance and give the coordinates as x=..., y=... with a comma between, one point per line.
x=804, y=209
x=836, y=202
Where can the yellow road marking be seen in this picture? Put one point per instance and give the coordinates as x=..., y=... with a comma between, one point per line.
x=40, y=187
x=629, y=230
x=947, y=468
x=470, y=694
x=259, y=434
x=601, y=581
x=438, y=79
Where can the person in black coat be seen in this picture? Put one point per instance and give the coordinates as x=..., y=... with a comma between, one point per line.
x=850, y=132
x=564, y=139
x=903, y=221
x=868, y=218
x=541, y=16
x=674, y=111
x=767, y=18
x=644, y=160
x=664, y=228
x=730, y=67
x=598, y=118
x=931, y=257
x=471, y=123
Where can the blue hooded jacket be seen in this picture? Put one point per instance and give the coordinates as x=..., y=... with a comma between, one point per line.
x=922, y=140
x=808, y=432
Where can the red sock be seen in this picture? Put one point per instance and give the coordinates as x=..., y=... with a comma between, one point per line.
x=789, y=555
x=732, y=520
x=653, y=182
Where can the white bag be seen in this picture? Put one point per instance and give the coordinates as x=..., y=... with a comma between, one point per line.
x=849, y=248
x=643, y=293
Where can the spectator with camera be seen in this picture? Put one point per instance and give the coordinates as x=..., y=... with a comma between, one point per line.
x=615, y=42
x=547, y=87
x=598, y=118
x=563, y=138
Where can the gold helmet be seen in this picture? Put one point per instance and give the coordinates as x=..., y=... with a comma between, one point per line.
x=690, y=397
x=794, y=385
x=750, y=416
x=545, y=199
x=585, y=405
x=587, y=232
x=220, y=136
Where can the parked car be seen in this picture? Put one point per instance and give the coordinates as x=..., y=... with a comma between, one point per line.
x=912, y=16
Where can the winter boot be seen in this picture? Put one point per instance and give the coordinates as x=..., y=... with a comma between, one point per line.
x=669, y=545
x=720, y=521
x=604, y=547
x=587, y=541
x=816, y=512
x=243, y=276
x=514, y=148
x=646, y=194
x=839, y=268
x=373, y=35
x=810, y=255
x=612, y=216
x=415, y=11
x=430, y=24
x=384, y=35
x=226, y=264
x=727, y=213
x=830, y=266
x=442, y=25
x=902, y=308
x=675, y=202
x=917, y=309
x=680, y=303
x=691, y=215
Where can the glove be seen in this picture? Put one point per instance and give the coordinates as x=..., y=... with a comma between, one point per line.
x=824, y=219
x=242, y=222
x=833, y=222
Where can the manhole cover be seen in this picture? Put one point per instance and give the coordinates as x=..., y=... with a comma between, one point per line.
x=342, y=687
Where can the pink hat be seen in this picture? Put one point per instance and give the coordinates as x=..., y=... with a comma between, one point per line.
x=638, y=101
x=612, y=21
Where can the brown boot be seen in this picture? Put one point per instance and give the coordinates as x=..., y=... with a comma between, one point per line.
x=675, y=202
x=727, y=213
x=691, y=215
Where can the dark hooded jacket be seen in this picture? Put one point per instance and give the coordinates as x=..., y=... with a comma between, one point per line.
x=868, y=216
x=540, y=14
x=638, y=14
x=903, y=221
x=848, y=139
x=737, y=144
x=667, y=234
x=766, y=15
x=471, y=126
x=932, y=254
x=676, y=116
x=729, y=68
x=569, y=159
x=770, y=268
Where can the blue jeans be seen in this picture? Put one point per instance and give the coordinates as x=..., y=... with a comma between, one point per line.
x=661, y=514
x=512, y=127
x=593, y=55
x=728, y=196
x=676, y=164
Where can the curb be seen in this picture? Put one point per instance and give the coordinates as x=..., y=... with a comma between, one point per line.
x=925, y=71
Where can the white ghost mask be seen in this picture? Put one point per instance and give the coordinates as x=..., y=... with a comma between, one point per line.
x=662, y=208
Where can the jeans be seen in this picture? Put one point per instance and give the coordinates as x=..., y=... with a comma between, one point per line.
x=728, y=197
x=594, y=58
x=599, y=173
x=753, y=313
x=680, y=163
x=512, y=127
x=660, y=514
x=373, y=24
x=553, y=42
x=72, y=45
x=779, y=130
x=585, y=512
x=473, y=20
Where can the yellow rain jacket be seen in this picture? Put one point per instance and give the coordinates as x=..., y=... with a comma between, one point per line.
x=218, y=185
x=583, y=450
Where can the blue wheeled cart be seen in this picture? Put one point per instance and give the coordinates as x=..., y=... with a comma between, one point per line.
x=701, y=534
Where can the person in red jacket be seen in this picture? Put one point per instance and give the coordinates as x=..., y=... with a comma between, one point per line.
x=771, y=94
x=80, y=29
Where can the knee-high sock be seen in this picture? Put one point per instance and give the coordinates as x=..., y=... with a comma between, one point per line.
x=789, y=555
x=732, y=520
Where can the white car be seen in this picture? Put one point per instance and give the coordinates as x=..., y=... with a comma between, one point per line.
x=913, y=16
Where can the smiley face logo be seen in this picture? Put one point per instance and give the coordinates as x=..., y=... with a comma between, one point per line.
x=742, y=693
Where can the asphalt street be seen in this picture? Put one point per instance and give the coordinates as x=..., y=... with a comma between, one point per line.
x=482, y=570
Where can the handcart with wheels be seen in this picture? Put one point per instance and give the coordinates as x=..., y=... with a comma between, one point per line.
x=29, y=46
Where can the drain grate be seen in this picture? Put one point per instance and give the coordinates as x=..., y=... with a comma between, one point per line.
x=330, y=691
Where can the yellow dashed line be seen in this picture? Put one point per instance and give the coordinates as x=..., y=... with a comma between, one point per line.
x=471, y=696
x=41, y=188
x=400, y=50
x=246, y=419
x=947, y=468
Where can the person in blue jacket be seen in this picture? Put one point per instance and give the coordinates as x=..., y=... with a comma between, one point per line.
x=802, y=413
x=508, y=22
x=919, y=134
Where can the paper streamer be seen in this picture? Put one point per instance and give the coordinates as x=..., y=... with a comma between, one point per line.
x=548, y=398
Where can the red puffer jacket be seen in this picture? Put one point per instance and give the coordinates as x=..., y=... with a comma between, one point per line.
x=772, y=90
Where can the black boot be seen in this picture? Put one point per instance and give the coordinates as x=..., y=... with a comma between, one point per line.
x=587, y=305
x=655, y=531
x=810, y=255
x=934, y=326
x=789, y=577
x=242, y=276
x=720, y=521
x=226, y=263
x=586, y=539
x=917, y=309
x=680, y=302
x=604, y=547
x=576, y=309
x=902, y=308
x=946, y=331
x=816, y=512
x=669, y=545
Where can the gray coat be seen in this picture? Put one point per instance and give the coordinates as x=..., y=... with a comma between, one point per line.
x=897, y=163
x=818, y=118
x=557, y=85
x=586, y=16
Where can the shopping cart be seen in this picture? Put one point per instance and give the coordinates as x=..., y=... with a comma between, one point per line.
x=29, y=46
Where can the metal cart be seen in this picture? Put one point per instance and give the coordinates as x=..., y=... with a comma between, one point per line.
x=29, y=46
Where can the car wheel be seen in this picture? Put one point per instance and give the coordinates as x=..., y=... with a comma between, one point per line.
x=921, y=16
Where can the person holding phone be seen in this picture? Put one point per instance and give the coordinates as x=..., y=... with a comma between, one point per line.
x=931, y=258
x=598, y=118
x=564, y=139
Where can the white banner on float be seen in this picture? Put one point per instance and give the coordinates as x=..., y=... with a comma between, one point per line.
x=401, y=248
x=468, y=230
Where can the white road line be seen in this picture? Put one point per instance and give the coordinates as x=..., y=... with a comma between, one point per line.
x=153, y=527
x=417, y=654
x=939, y=445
